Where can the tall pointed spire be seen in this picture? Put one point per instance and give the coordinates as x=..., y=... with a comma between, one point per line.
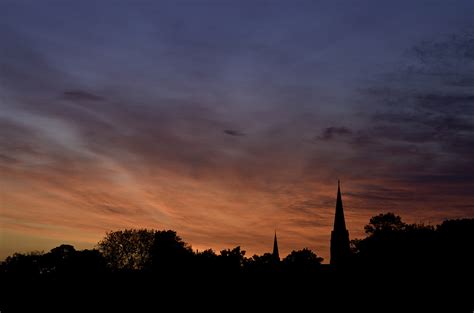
x=340, y=249
x=276, y=254
x=339, y=221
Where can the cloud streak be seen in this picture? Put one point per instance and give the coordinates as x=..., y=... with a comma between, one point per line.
x=235, y=133
x=332, y=132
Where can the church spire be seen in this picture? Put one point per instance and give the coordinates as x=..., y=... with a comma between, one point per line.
x=339, y=221
x=275, y=253
x=340, y=249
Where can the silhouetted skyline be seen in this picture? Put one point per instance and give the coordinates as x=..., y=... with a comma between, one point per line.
x=397, y=265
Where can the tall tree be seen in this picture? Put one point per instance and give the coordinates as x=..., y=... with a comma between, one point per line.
x=169, y=251
x=128, y=249
x=386, y=222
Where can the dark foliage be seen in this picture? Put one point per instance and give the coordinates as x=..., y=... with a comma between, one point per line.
x=397, y=267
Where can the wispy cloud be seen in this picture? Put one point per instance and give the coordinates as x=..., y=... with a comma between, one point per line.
x=81, y=95
x=333, y=132
x=234, y=132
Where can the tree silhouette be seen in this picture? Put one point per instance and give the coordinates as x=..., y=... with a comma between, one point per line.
x=456, y=243
x=232, y=260
x=393, y=244
x=23, y=265
x=302, y=260
x=262, y=260
x=127, y=249
x=206, y=262
x=89, y=263
x=169, y=251
x=387, y=222
x=262, y=264
x=60, y=260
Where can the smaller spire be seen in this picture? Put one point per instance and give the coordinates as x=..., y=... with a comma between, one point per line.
x=275, y=254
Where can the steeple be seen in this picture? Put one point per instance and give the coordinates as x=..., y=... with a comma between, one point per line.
x=275, y=253
x=339, y=221
x=340, y=249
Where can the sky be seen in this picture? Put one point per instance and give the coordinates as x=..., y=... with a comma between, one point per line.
x=228, y=120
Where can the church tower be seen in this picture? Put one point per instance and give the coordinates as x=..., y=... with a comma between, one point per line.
x=340, y=249
x=275, y=254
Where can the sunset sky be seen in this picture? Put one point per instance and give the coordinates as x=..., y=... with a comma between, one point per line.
x=225, y=120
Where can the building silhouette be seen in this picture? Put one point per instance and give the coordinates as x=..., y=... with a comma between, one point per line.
x=340, y=250
x=275, y=254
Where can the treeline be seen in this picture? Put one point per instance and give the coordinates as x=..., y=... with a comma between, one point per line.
x=432, y=264
x=389, y=243
x=149, y=251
